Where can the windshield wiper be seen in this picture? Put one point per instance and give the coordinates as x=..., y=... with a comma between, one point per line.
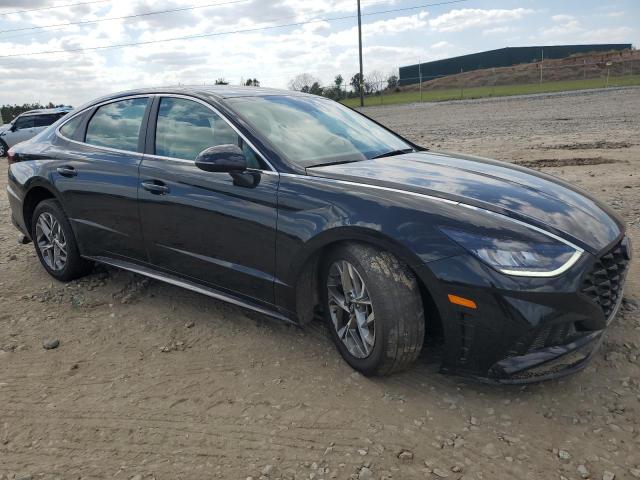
x=393, y=153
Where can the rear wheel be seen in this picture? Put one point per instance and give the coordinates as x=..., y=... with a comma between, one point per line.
x=373, y=307
x=55, y=242
x=3, y=149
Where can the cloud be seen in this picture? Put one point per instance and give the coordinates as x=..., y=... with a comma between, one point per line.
x=498, y=30
x=562, y=18
x=323, y=49
x=458, y=20
x=566, y=25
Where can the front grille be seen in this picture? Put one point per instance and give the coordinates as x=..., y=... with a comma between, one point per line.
x=550, y=335
x=603, y=284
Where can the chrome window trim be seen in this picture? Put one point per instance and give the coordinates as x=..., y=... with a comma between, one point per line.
x=521, y=273
x=98, y=105
x=151, y=96
x=224, y=118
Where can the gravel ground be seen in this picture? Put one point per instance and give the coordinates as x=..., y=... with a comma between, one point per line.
x=151, y=381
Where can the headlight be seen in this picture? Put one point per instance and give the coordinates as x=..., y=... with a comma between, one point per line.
x=546, y=256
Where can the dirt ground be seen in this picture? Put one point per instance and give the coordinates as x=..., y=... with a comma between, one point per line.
x=151, y=381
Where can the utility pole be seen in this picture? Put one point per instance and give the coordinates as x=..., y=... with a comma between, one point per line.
x=360, y=54
x=420, y=75
x=541, y=62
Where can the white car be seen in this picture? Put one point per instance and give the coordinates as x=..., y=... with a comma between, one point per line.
x=28, y=125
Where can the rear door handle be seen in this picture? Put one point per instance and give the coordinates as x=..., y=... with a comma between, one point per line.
x=155, y=186
x=67, y=171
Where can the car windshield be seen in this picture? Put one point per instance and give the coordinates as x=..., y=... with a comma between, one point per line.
x=312, y=131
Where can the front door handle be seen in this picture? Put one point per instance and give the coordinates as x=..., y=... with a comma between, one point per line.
x=67, y=171
x=156, y=187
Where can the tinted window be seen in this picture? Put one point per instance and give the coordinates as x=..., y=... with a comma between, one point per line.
x=24, y=122
x=70, y=129
x=117, y=124
x=45, y=120
x=185, y=128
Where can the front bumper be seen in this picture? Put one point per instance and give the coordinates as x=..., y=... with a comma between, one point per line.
x=526, y=329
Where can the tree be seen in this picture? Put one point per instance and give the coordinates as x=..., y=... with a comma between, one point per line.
x=221, y=81
x=375, y=81
x=336, y=91
x=301, y=81
x=252, y=82
x=393, y=82
x=356, y=82
x=316, y=89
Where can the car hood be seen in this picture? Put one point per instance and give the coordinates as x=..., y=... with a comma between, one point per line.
x=5, y=127
x=527, y=195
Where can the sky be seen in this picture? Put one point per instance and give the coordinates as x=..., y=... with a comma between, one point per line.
x=409, y=31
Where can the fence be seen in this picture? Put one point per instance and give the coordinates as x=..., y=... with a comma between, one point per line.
x=519, y=79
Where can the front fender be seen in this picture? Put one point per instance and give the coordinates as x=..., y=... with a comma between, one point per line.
x=314, y=213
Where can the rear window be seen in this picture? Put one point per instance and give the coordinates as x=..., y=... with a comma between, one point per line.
x=72, y=127
x=117, y=125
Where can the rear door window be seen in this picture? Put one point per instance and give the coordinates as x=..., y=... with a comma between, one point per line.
x=44, y=120
x=117, y=125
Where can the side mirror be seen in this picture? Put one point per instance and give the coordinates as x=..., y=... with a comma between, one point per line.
x=222, y=158
x=13, y=127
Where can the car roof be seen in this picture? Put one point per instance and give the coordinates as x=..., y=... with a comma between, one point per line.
x=47, y=111
x=217, y=92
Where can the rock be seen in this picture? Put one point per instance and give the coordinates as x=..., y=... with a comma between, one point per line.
x=635, y=472
x=189, y=324
x=51, y=344
x=608, y=475
x=440, y=473
x=613, y=357
x=24, y=476
x=362, y=452
x=365, y=474
x=406, y=456
x=564, y=455
x=137, y=477
x=267, y=470
x=474, y=421
x=456, y=469
x=582, y=470
x=490, y=450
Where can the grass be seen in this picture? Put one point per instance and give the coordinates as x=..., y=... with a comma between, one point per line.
x=440, y=95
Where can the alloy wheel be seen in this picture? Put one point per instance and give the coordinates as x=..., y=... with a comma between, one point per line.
x=350, y=309
x=51, y=241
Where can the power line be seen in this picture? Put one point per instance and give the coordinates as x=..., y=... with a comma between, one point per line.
x=54, y=7
x=63, y=25
x=230, y=32
x=124, y=17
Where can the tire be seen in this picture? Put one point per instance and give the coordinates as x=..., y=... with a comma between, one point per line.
x=391, y=293
x=3, y=149
x=50, y=248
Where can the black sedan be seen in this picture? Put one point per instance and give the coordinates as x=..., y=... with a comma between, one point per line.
x=296, y=206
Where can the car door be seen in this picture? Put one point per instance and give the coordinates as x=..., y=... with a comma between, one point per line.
x=23, y=129
x=98, y=153
x=206, y=226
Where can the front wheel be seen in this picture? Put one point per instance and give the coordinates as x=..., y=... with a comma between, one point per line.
x=3, y=148
x=55, y=242
x=373, y=307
